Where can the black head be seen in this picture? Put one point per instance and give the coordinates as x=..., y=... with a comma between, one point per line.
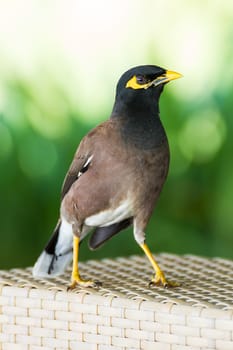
x=140, y=87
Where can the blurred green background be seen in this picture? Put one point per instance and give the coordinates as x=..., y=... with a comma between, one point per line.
x=59, y=64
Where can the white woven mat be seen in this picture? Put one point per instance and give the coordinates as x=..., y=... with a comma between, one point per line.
x=204, y=282
x=124, y=314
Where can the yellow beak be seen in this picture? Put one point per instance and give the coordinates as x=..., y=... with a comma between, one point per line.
x=165, y=78
x=170, y=75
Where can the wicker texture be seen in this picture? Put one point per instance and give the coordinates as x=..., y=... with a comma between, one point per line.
x=124, y=313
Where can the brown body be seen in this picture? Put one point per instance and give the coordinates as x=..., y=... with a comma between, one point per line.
x=128, y=175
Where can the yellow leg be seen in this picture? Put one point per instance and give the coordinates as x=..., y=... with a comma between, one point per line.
x=75, y=278
x=159, y=275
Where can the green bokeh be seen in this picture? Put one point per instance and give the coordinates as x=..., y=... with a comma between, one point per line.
x=41, y=124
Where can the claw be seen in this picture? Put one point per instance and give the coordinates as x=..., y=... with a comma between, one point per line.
x=97, y=284
x=84, y=283
x=162, y=281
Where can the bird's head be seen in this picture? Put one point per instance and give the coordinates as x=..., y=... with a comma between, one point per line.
x=141, y=86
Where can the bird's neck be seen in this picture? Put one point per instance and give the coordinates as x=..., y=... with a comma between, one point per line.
x=141, y=125
x=136, y=107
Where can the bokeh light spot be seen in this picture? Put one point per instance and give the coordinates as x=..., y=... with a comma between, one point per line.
x=48, y=121
x=202, y=135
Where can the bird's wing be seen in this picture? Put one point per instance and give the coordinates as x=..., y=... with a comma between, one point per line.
x=93, y=143
x=78, y=166
x=102, y=234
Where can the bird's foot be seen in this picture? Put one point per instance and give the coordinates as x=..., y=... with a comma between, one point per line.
x=78, y=281
x=160, y=279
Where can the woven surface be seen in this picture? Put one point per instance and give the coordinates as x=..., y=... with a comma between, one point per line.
x=124, y=313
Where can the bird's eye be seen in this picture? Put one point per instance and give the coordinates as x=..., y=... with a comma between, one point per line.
x=141, y=79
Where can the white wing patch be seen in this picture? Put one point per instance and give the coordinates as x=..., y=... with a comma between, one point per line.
x=110, y=216
x=85, y=166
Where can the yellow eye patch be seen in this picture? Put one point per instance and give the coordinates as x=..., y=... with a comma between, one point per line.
x=164, y=78
x=133, y=84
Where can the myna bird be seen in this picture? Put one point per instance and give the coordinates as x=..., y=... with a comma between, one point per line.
x=115, y=178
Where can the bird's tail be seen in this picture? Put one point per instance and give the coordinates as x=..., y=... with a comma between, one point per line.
x=57, y=255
